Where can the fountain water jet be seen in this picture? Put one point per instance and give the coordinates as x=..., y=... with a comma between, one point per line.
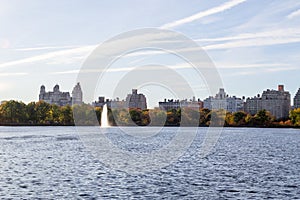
x=104, y=119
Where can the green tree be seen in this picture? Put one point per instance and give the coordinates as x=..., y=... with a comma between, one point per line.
x=31, y=112
x=173, y=117
x=66, y=115
x=136, y=116
x=158, y=117
x=189, y=117
x=98, y=111
x=263, y=118
x=205, y=115
x=42, y=112
x=239, y=118
x=86, y=114
x=121, y=117
x=145, y=118
x=13, y=112
x=295, y=116
x=229, y=119
x=249, y=120
x=216, y=118
x=53, y=115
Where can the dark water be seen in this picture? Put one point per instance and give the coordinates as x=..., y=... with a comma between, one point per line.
x=53, y=163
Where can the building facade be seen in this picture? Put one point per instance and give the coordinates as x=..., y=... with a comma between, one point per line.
x=169, y=104
x=61, y=98
x=77, y=94
x=100, y=103
x=297, y=99
x=115, y=103
x=176, y=104
x=253, y=105
x=135, y=100
x=277, y=102
x=223, y=101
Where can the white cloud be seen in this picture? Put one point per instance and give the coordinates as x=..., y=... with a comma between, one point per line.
x=46, y=48
x=260, y=70
x=13, y=74
x=124, y=69
x=255, y=65
x=67, y=54
x=252, y=43
x=294, y=14
x=202, y=14
x=271, y=37
x=67, y=72
x=220, y=65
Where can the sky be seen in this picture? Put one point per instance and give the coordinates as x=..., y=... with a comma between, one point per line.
x=253, y=44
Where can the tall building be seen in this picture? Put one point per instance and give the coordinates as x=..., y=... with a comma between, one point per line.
x=297, y=99
x=77, y=94
x=277, y=102
x=223, y=101
x=60, y=98
x=135, y=100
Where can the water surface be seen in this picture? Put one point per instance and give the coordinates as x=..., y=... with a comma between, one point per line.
x=52, y=162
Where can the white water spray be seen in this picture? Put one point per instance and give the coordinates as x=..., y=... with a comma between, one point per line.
x=104, y=119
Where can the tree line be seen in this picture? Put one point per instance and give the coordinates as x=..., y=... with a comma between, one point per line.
x=42, y=113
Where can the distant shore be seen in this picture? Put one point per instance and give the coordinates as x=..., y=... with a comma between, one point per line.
x=14, y=113
x=225, y=126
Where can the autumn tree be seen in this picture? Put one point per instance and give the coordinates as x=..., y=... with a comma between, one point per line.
x=263, y=118
x=42, y=112
x=13, y=112
x=66, y=115
x=239, y=118
x=295, y=116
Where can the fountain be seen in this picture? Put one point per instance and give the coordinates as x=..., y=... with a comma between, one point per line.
x=104, y=119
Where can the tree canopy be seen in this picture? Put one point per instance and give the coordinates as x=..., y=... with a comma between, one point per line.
x=41, y=113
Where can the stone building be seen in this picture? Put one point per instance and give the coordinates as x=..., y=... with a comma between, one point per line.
x=77, y=94
x=100, y=103
x=169, y=104
x=115, y=103
x=135, y=100
x=223, y=101
x=277, y=102
x=61, y=98
x=253, y=105
x=176, y=104
x=297, y=99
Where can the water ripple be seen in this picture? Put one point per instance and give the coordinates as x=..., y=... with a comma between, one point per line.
x=52, y=163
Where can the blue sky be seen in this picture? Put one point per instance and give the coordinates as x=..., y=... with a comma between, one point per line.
x=254, y=44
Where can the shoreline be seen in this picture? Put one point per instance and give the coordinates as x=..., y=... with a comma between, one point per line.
x=62, y=125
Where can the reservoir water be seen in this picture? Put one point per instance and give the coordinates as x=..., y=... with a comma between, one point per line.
x=53, y=163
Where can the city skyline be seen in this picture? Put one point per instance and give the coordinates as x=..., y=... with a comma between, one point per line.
x=77, y=92
x=253, y=46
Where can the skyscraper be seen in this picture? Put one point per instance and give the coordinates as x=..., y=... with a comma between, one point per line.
x=77, y=94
